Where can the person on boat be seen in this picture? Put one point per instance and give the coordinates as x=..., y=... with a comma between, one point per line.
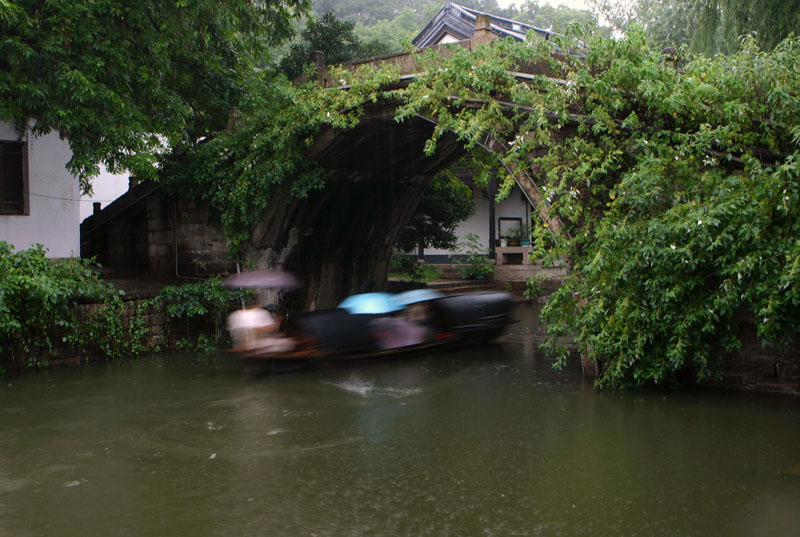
x=395, y=332
x=420, y=314
x=254, y=329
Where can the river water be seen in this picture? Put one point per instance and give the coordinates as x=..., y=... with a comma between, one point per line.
x=485, y=441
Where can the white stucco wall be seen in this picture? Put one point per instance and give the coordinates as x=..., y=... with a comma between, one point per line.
x=513, y=207
x=448, y=38
x=106, y=187
x=53, y=198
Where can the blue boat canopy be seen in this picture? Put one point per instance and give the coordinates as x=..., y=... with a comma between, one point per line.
x=417, y=295
x=371, y=303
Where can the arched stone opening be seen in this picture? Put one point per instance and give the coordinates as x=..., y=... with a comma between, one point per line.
x=341, y=236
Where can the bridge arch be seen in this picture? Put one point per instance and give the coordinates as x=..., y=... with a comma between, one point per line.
x=341, y=236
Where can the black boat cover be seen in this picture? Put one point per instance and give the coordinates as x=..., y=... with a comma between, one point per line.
x=482, y=315
x=475, y=312
x=339, y=330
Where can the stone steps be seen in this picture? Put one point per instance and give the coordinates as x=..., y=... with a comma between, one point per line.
x=506, y=273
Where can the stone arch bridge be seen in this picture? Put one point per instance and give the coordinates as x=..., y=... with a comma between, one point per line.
x=336, y=239
x=342, y=235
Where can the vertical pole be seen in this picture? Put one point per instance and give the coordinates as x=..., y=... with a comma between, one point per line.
x=492, y=232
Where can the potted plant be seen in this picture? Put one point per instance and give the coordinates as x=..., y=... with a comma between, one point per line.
x=525, y=234
x=513, y=236
x=471, y=252
x=480, y=267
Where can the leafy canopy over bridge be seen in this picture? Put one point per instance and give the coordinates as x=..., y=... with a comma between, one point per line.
x=678, y=191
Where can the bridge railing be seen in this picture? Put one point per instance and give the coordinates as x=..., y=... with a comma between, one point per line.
x=407, y=61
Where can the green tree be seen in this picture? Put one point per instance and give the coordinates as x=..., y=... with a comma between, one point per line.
x=367, y=12
x=446, y=202
x=552, y=18
x=667, y=23
x=708, y=26
x=335, y=38
x=722, y=22
x=394, y=32
x=127, y=81
x=239, y=171
x=678, y=192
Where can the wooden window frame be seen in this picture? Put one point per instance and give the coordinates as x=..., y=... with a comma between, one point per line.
x=8, y=208
x=504, y=223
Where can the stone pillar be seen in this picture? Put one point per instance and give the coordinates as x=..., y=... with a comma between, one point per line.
x=318, y=59
x=483, y=30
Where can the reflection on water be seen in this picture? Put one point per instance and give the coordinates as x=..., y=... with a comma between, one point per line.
x=479, y=441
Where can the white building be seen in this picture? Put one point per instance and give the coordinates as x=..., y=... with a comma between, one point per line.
x=451, y=24
x=106, y=188
x=39, y=198
x=502, y=216
x=40, y=201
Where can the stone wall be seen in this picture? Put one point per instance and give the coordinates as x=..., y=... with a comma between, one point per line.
x=148, y=231
x=162, y=335
x=762, y=367
x=182, y=226
x=520, y=273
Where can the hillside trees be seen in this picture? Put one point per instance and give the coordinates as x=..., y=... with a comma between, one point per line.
x=549, y=17
x=708, y=26
x=128, y=81
x=333, y=37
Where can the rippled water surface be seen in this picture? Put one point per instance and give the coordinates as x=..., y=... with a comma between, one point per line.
x=485, y=441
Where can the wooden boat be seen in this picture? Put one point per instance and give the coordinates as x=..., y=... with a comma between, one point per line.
x=331, y=336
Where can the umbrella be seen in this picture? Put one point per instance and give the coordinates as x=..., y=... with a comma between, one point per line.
x=417, y=295
x=371, y=303
x=264, y=279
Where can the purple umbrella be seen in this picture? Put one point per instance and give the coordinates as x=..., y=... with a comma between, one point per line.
x=264, y=279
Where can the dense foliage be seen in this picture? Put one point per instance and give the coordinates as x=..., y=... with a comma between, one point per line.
x=707, y=26
x=334, y=38
x=446, y=203
x=126, y=81
x=38, y=300
x=40, y=313
x=240, y=171
x=722, y=22
x=201, y=306
x=678, y=191
x=552, y=17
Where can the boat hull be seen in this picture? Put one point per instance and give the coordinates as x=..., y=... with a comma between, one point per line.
x=340, y=337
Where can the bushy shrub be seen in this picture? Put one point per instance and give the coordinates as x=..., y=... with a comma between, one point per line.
x=202, y=303
x=38, y=299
